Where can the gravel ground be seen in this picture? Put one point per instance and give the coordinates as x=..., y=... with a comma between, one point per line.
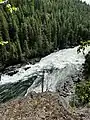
x=40, y=106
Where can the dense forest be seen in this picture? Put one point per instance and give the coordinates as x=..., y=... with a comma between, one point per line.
x=39, y=27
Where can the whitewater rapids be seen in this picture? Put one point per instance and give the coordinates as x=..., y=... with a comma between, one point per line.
x=56, y=69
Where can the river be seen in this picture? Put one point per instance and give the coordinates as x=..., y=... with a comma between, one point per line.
x=58, y=71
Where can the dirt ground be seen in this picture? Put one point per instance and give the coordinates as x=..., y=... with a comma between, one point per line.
x=40, y=106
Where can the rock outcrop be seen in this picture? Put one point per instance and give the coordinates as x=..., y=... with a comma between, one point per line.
x=37, y=106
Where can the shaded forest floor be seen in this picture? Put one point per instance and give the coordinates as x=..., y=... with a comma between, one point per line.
x=40, y=106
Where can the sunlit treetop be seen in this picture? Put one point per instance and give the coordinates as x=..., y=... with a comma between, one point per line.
x=11, y=8
x=3, y=42
x=83, y=45
x=8, y=6
x=3, y=2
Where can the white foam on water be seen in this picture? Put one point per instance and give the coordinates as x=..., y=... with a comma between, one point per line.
x=67, y=61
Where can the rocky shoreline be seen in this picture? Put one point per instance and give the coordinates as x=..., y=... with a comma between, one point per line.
x=17, y=64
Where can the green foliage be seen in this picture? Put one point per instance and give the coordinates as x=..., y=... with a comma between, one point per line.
x=87, y=66
x=3, y=42
x=83, y=92
x=1, y=0
x=83, y=45
x=10, y=8
x=81, y=96
x=82, y=89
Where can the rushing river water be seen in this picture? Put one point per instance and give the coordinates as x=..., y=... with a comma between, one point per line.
x=58, y=70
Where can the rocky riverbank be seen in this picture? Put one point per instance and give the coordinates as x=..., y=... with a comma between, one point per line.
x=12, y=65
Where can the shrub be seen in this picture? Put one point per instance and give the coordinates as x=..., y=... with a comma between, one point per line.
x=82, y=94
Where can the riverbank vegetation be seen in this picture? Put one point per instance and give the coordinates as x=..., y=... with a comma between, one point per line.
x=81, y=96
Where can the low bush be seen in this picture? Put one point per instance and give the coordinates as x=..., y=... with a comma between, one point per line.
x=82, y=94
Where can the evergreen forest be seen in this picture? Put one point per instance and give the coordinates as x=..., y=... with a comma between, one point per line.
x=39, y=27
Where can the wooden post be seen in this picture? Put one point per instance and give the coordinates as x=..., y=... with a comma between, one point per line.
x=0, y=76
x=42, y=82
